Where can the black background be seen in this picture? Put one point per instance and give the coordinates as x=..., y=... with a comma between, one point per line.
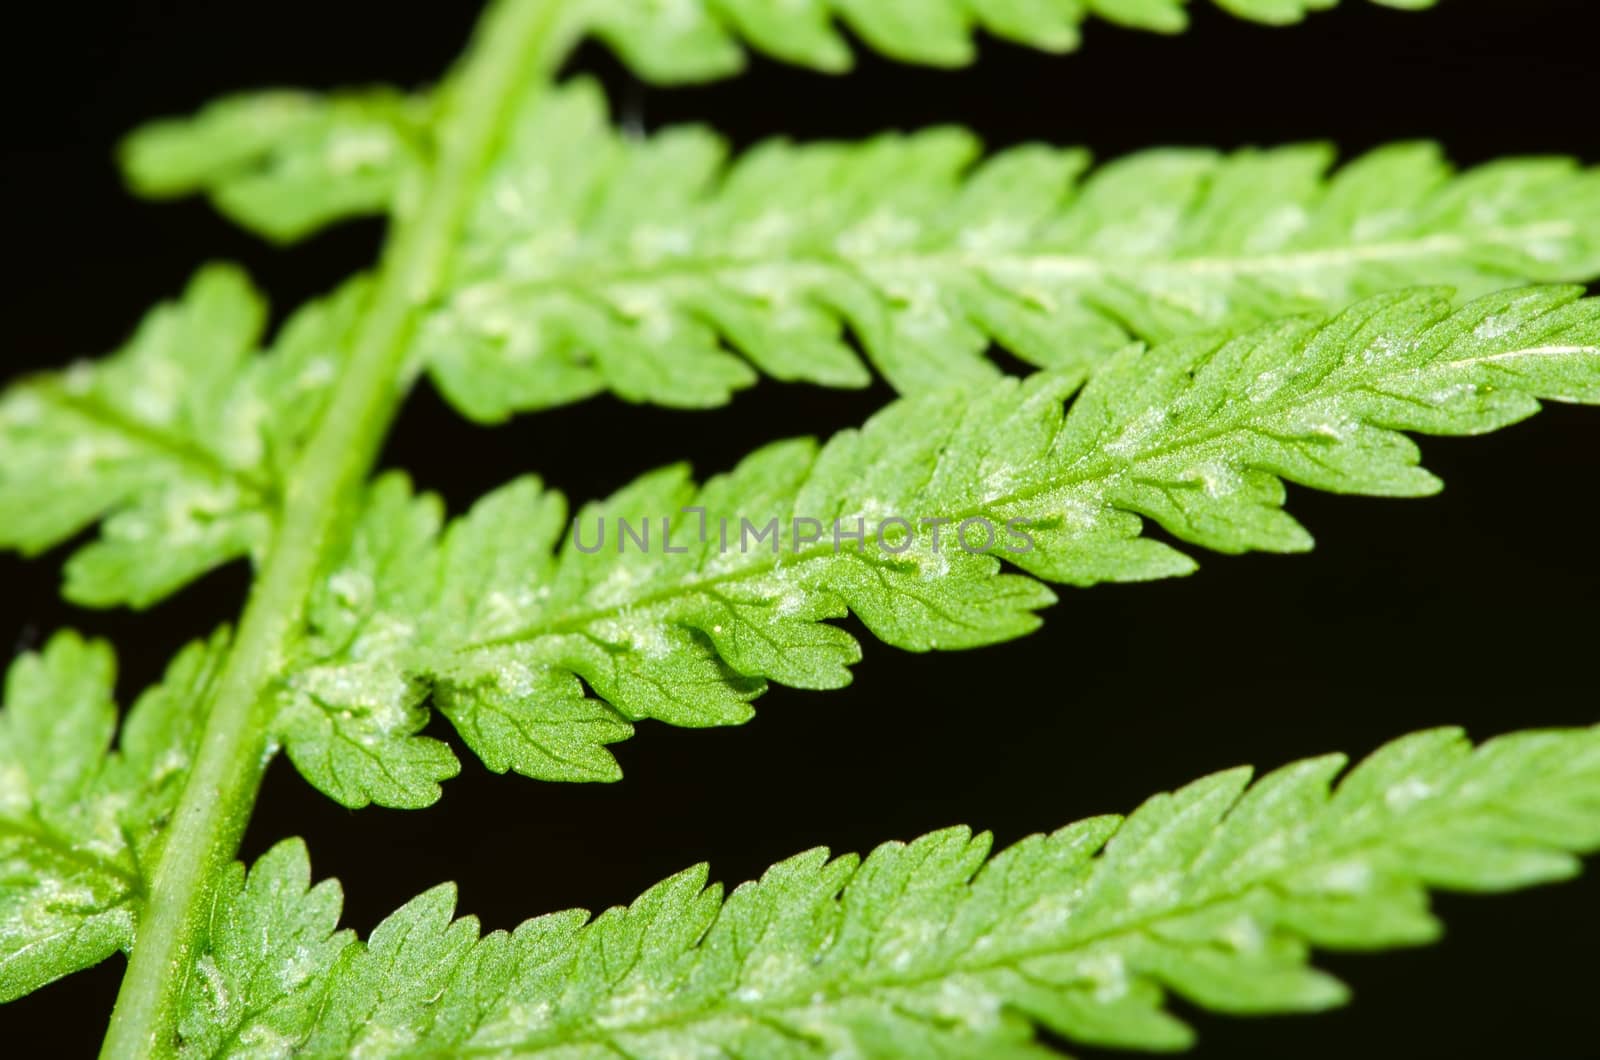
x=1476, y=607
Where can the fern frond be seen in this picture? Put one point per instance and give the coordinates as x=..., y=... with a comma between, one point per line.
x=662, y=271
x=285, y=163
x=597, y=262
x=1214, y=893
x=700, y=40
x=1197, y=436
x=180, y=441
x=81, y=824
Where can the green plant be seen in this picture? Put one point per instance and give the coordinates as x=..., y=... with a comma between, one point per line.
x=1292, y=324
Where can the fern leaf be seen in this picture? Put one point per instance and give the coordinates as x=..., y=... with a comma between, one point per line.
x=700, y=40
x=268, y=950
x=736, y=579
x=1214, y=893
x=351, y=725
x=81, y=824
x=180, y=441
x=285, y=164
x=663, y=272
x=596, y=262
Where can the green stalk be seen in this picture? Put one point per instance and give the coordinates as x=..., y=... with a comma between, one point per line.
x=516, y=47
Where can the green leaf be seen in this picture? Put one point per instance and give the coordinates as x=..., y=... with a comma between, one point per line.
x=347, y=719
x=699, y=40
x=82, y=825
x=713, y=591
x=284, y=163
x=179, y=442
x=657, y=269
x=392, y=984
x=1214, y=893
x=266, y=955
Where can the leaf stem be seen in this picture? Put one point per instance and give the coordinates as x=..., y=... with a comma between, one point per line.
x=515, y=48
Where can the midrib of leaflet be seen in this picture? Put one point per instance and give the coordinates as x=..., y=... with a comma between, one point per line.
x=1029, y=266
